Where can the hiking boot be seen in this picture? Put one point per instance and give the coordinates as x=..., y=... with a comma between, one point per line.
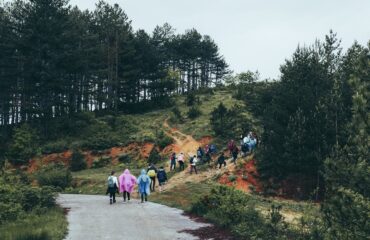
x=146, y=199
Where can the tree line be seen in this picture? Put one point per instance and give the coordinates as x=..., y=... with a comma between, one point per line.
x=57, y=60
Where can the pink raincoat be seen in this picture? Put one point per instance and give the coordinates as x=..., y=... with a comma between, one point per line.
x=126, y=181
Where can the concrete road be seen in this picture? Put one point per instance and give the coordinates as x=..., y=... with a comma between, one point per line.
x=92, y=218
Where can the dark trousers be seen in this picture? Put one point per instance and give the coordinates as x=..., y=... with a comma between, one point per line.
x=173, y=166
x=152, y=184
x=182, y=165
x=220, y=164
x=112, y=195
x=195, y=169
x=126, y=194
x=234, y=158
x=144, y=197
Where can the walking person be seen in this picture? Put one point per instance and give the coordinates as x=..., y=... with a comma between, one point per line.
x=231, y=145
x=235, y=154
x=180, y=159
x=200, y=154
x=152, y=173
x=162, y=178
x=126, y=184
x=112, y=187
x=173, y=161
x=193, y=164
x=143, y=182
x=221, y=160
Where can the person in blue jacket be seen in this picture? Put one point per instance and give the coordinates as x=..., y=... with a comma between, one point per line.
x=143, y=181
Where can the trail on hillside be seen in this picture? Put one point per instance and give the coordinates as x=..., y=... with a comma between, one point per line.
x=188, y=145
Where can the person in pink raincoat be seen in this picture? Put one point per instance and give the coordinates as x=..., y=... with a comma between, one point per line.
x=126, y=184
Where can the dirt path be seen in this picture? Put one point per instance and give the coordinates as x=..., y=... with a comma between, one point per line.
x=91, y=217
x=188, y=145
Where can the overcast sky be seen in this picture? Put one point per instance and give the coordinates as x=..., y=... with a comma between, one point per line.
x=253, y=34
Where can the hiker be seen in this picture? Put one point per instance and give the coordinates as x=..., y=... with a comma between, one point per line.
x=143, y=182
x=112, y=187
x=208, y=157
x=244, y=149
x=231, y=145
x=193, y=164
x=206, y=149
x=200, y=154
x=162, y=178
x=126, y=184
x=152, y=173
x=180, y=159
x=173, y=162
x=235, y=154
x=221, y=160
x=212, y=149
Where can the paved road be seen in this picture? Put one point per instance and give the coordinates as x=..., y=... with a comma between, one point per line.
x=91, y=217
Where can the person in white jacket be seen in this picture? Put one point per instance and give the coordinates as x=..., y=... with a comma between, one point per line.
x=112, y=187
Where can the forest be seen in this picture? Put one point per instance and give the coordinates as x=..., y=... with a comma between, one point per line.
x=94, y=60
x=73, y=80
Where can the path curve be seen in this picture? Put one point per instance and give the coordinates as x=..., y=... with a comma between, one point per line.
x=91, y=217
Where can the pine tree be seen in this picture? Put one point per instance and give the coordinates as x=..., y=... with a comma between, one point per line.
x=347, y=172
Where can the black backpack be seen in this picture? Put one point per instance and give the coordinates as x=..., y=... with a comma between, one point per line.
x=191, y=160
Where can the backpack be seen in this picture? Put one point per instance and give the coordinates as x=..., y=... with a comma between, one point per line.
x=151, y=173
x=110, y=182
x=191, y=160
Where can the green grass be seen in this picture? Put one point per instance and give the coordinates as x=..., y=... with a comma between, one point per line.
x=182, y=196
x=49, y=225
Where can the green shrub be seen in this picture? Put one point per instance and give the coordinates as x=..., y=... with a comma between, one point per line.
x=154, y=156
x=177, y=116
x=232, y=178
x=77, y=161
x=124, y=158
x=33, y=235
x=54, y=175
x=190, y=99
x=234, y=210
x=101, y=162
x=163, y=140
x=55, y=147
x=23, y=146
x=9, y=211
x=30, y=198
x=194, y=112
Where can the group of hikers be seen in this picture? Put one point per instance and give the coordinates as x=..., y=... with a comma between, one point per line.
x=126, y=182
x=147, y=179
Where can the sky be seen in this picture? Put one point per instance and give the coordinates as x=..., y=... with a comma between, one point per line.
x=254, y=34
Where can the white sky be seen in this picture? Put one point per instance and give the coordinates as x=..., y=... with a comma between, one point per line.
x=253, y=34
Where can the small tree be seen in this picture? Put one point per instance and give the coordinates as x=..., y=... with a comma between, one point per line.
x=23, y=146
x=154, y=156
x=77, y=161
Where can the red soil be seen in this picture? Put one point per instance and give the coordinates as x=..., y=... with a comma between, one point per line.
x=205, y=140
x=249, y=170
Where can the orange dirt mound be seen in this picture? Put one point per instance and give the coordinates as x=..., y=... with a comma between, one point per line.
x=205, y=140
x=245, y=177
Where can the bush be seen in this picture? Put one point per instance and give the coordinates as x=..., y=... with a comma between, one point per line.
x=34, y=235
x=101, y=162
x=232, y=178
x=163, y=140
x=154, y=156
x=124, y=158
x=9, y=211
x=55, y=147
x=194, y=112
x=77, y=161
x=190, y=99
x=177, y=115
x=24, y=145
x=232, y=209
x=54, y=175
